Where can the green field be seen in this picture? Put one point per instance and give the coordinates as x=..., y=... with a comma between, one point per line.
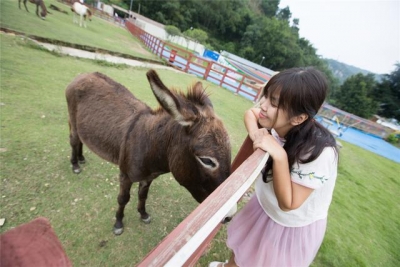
x=36, y=177
x=59, y=27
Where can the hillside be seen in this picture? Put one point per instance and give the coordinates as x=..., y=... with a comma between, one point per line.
x=343, y=71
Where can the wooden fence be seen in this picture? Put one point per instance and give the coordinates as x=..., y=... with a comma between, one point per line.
x=186, y=61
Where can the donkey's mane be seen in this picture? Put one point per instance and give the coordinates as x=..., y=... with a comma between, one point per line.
x=195, y=93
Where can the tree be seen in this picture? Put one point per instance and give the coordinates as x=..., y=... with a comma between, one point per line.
x=355, y=95
x=120, y=3
x=269, y=7
x=387, y=94
x=172, y=31
x=284, y=14
x=275, y=40
x=198, y=35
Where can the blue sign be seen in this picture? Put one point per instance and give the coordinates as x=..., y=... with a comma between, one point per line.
x=211, y=54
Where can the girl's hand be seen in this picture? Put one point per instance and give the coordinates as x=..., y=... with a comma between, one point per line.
x=251, y=121
x=265, y=141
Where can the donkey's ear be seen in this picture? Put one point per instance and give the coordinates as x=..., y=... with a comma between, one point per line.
x=167, y=99
x=201, y=95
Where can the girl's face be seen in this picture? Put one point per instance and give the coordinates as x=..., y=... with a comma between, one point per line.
x=272, y=117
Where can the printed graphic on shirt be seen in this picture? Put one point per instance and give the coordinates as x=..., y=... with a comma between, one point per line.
x=309, y=175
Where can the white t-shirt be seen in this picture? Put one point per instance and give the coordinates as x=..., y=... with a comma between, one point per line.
x=319, y=175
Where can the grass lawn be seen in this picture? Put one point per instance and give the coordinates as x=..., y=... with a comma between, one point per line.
x=59, y=26
x=36, y=177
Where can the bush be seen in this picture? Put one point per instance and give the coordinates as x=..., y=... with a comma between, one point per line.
x=172, y=31
x=393, y=138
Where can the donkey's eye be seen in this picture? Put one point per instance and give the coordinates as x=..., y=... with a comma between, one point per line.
x=208, y=162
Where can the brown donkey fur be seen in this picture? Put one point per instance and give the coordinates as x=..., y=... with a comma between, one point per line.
x=183, y=136
x=37, y=3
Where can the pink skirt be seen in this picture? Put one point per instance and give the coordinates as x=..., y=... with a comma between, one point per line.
x=258, y=241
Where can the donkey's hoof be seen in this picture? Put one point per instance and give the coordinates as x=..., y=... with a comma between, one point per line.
x=81, y=159
x=76, y=170
x=146, y=220
x=118, y=231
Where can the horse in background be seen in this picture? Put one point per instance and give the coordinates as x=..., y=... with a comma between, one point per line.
x=184, y=136
x=83, y=12
x=37, y=3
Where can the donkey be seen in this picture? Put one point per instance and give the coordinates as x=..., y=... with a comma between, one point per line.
x=82, y=11
x=38, y=3
x=183, y=136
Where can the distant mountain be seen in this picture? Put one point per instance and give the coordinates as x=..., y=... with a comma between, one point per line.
x=343, y=71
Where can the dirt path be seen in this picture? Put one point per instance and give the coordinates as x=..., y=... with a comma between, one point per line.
x=103, y=55
x=100, y=56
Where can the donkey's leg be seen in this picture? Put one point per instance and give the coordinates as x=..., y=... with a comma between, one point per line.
x=37, y=11
x=76, y=146
x=81, y=158
x=142, y=193
x=124, y=195
x=25, y=5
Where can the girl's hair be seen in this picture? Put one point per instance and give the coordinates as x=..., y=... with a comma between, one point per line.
x=301, y=91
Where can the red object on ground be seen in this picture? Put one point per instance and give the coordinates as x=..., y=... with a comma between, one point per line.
x=32, y=244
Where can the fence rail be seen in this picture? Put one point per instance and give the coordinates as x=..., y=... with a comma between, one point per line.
x=237, y=82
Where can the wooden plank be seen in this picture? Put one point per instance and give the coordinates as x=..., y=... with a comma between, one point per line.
x=183, y=241
x=245, y=151
x=200, y=250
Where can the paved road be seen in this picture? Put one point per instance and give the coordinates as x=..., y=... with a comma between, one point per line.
x=99, y=56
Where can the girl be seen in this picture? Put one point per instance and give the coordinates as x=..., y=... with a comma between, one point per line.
x=285, y=222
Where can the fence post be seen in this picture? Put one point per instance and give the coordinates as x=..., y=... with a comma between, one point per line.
x=158, y=46
x=240, y=85
x=187, y=67
x=223, y=77
x=162, y=49
x=208, y=69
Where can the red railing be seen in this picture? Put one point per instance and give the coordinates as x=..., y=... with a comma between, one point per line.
x=186, y=61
